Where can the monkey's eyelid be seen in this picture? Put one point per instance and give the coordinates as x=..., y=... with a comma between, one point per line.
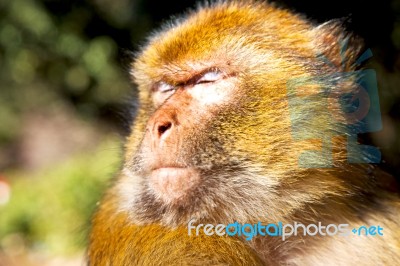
x=210, y=76
x=163, y=87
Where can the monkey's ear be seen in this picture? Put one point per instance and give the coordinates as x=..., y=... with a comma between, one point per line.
x=336, y=47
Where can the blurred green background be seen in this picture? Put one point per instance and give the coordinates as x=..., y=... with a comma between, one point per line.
x=65, y=97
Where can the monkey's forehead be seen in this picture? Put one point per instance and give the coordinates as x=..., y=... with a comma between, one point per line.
x=221, y=33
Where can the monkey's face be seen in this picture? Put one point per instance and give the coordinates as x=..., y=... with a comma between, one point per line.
x=179, y=146
x=212, y=138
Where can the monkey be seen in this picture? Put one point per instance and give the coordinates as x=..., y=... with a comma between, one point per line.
x=223, y=91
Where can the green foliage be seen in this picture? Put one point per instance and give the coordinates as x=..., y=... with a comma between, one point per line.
x=51, y=209
x=52, y=52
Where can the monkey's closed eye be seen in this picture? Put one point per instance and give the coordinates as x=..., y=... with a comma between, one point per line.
x=161, y=91
x=164, y=87
x=210, y=76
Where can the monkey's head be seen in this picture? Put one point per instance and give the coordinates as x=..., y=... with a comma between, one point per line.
x=213, y=135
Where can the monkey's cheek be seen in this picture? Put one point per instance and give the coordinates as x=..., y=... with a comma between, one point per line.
x=173, y=184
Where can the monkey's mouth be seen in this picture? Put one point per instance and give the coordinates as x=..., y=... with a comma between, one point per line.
x=173, y=183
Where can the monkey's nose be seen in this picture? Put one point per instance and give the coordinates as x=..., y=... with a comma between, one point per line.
x=163, y=128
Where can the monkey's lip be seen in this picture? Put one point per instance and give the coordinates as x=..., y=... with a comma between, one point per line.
x=172, y=183
x=169, y=167
x=171, y=171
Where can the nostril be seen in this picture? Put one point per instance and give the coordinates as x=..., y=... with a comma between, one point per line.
x=163, y=128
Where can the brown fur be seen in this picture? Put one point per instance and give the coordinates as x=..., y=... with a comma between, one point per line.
x=243, y=149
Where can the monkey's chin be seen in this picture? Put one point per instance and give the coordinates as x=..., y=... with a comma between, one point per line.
x=172, y=184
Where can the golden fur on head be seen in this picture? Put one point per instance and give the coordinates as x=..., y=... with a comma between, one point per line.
x=263, y=47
